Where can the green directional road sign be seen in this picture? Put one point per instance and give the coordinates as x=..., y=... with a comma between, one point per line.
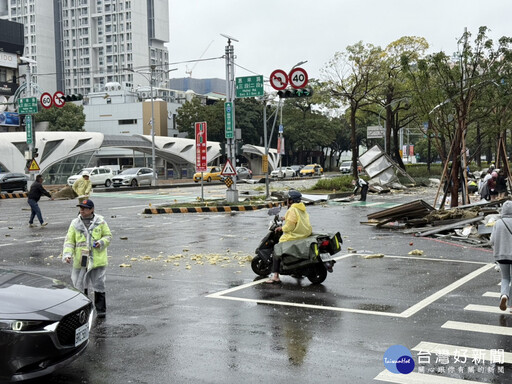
x=228, y=120
x=28, y=128
x=27, y=105
x=249, y=86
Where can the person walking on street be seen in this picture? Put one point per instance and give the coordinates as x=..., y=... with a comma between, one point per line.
x=491, y=184
x=36, y=191
x=82, y=186
x=501, y=185
x=296, y=226
x=86, y=246
x=360, y=184
x=501, y=241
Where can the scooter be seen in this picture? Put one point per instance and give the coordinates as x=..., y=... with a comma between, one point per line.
x=313, y=262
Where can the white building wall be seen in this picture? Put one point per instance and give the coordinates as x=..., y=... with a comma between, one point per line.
x=105, y=118
x=37, y=18
x=162, y=20
x=99, y=39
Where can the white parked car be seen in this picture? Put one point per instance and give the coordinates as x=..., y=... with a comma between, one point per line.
x=285, y=172
x=97, y=175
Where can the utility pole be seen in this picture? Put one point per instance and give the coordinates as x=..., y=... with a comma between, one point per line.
x=29, y=122
x=232, y=192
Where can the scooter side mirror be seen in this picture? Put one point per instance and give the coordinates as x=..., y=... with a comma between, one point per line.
x=274, y=211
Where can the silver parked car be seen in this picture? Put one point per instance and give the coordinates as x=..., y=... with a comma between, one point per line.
x=133, y=177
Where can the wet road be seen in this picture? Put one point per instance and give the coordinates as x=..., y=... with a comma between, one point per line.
x=186, y=308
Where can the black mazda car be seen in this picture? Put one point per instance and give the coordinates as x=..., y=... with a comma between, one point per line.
x=44, y=324
x=10, y=182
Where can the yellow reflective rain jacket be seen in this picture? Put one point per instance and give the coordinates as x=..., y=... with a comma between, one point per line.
x=79, y=237
x=82, y=187
x=296, y=223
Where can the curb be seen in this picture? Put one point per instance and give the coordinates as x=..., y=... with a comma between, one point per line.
x=13, y=195
x=235, y=208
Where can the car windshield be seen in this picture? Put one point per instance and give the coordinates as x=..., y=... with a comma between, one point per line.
x=308, y=167
x=129, y=171
x=346, y=164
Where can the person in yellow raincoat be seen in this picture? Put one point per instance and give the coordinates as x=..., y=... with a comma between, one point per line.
x=82, y=186
x=296, y=226
x=85, y=247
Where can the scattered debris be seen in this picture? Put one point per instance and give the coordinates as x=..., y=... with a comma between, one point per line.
x=416, y=252
x=471, y=223
x=65, y=193
x=381, y=168
x=374, y=256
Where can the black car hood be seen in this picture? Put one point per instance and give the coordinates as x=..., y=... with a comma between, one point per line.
x=24, y=292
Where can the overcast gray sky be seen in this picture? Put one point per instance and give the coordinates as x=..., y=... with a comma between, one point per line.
x=277, y=34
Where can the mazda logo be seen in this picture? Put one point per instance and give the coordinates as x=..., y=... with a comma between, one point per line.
x=82, y=317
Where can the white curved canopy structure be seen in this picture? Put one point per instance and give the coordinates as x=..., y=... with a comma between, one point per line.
x=55, y=147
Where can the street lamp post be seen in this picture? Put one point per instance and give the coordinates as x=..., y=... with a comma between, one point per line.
x=153, y=157
x=152, y=122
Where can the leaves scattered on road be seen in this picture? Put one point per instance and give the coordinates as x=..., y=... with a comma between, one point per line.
x=187, y=261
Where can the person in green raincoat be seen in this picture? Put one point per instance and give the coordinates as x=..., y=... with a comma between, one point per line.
x=86, y=247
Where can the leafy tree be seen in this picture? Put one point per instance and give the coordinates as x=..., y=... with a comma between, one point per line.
x=447, y=92
x=349, y=77
x=194, y=111
x=394, y=96
x=70, y=117
x=248, y=117
x=307, y=130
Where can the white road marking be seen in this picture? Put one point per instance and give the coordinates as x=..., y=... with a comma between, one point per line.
x=221, y=295
x=429, y=300
x=419, y=378
x=365, y=204
x=454, y=350
x=405, y=314
x=130, y=206
x=492, y=294
x=481, y=328
x=34, y=241
x=487, y=309
x=6, y=244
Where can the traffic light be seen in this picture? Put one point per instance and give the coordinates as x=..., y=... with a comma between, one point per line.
x=35, y=153
x=223, y=148
x=292, y=92
x=73, y=97
x=239, y=145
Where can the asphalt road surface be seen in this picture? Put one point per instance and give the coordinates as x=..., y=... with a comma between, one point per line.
x=185, y=307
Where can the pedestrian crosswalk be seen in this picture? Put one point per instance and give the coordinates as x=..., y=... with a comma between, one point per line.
x=473, y=363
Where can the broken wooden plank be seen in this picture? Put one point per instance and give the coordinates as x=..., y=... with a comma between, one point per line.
x=450, y=226
x=414, y=209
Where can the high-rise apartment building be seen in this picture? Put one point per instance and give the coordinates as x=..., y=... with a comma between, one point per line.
x=80, y=45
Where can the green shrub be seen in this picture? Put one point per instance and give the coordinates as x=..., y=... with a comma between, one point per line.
x=340, y=184
x=420, y=170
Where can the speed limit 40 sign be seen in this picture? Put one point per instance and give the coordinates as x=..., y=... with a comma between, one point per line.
x=46, y=100
x=298, y=78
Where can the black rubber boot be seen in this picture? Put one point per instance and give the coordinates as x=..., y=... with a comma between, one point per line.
x=100, y=303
